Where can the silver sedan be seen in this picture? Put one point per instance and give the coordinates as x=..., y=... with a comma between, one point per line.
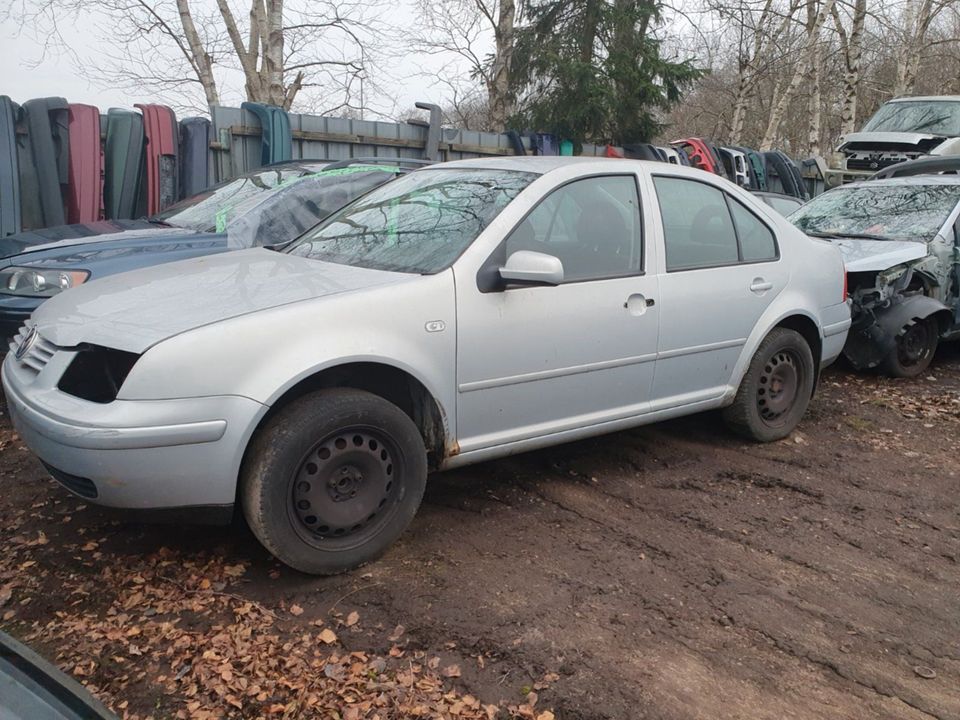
x=461, y=313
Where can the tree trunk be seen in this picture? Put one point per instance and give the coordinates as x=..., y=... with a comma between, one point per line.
x=780, y=107
x=917, y=21
x=201, y=61
x=853, y=52
x=815, y=103
x=498, y=84
x=273, y=55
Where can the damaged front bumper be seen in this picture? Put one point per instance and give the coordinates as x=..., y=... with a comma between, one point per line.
x=873, y=334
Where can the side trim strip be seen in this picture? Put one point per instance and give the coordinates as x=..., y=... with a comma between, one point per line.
x=558, y=372
x=836, y=328
x=590, y=367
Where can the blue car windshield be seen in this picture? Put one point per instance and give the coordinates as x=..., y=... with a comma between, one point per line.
x=419, y=223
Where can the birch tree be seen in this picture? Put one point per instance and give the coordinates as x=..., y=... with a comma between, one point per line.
x=811, y=40
x=481, y=33
x=851, y=46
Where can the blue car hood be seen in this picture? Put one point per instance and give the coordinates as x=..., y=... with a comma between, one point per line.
x=119, y=252
x=82, y=233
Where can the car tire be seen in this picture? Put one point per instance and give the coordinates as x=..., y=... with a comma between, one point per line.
x=333, y=479
x=913, y=349
x=776, y=389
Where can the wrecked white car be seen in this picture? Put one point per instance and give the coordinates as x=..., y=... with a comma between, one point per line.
x=899, y=239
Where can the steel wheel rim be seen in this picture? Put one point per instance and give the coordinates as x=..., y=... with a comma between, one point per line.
x=779, y=386
x=913, y=347
x=345, y=488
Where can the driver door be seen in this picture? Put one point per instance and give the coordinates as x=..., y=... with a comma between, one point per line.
x=538, y=360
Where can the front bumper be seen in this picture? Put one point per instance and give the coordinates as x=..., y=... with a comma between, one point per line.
x=151, y=454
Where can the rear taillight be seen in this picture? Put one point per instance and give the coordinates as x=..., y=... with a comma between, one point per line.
x=844, y=298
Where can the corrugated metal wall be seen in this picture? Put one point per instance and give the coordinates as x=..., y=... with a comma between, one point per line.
x=236, y=140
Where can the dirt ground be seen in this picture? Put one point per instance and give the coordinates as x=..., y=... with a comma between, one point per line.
x=670, y=572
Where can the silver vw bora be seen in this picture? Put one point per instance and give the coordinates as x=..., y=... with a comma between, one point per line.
x=463, y=312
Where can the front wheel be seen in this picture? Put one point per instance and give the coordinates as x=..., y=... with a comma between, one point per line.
x=333, y=479
x=913, y=349
x=776, y=390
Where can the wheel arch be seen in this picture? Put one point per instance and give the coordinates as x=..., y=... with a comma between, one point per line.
x=810, y=332
x=394, y=384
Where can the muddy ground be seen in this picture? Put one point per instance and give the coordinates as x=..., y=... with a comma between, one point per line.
x=669, y=572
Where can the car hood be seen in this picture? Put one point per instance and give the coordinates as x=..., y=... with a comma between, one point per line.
x=923, y=142
x=876, y=255
x=133, y=311
x=117, y=249
x=82, y=233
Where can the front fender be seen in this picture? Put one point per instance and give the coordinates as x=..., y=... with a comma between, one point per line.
x=874, y=332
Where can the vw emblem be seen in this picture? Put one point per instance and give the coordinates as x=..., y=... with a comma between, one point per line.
x=27, y=343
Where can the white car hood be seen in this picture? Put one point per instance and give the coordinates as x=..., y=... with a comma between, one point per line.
x=133, y=311
x=887, y=138
x=875, y=255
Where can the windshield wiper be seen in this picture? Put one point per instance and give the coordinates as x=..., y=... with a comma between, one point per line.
x=841, y=235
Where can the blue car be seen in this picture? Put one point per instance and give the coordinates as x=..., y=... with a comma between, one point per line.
x=269, y=206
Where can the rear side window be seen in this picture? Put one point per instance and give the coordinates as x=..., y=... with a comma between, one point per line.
x=756, y=240
x=705, y=227
x=697, y=227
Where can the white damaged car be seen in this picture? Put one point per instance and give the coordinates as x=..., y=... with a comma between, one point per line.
x=463, y=312
x=899, y=239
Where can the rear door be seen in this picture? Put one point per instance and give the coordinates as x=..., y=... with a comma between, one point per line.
x=722, y=270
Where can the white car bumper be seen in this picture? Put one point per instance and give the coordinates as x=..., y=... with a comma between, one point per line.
x=154, y=454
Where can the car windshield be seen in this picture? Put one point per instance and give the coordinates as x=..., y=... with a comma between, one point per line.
x=886, y=212
x=296, y=205
x=922, y=116
x=199, y=212
x=419, y=223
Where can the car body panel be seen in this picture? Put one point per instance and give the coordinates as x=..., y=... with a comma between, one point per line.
x=86, y=165
x=864, y=255
x=508, y=369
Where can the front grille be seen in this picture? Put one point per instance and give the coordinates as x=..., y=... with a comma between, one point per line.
x=81, y=486
x=38, y=354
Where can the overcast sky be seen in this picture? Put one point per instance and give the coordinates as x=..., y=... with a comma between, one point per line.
x=33, y=73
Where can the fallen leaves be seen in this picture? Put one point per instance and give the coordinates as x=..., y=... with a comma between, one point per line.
x=353, y=618
x=296, y=610
x=327, y=636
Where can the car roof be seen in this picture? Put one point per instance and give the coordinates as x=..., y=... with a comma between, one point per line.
x=909, y=180
x=927, y=98
x=543, y=164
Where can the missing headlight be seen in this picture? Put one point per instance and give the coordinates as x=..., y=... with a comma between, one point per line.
x=97, y=373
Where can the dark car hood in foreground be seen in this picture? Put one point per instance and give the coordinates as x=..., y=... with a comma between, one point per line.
x=84, y=232
x=111, y=254
x=134, y=311
x=33, y=689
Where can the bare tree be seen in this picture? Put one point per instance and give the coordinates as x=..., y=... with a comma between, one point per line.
x=174, y=47
x=851, y=45
x=481, y=34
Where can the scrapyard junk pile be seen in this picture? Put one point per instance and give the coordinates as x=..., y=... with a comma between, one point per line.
x=65, y=163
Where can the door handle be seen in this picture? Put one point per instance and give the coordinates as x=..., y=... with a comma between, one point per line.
x=637, y=304
x=760, y=286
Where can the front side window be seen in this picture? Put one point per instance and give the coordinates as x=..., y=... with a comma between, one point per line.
x=419, y=223
x=591, y=225
x=697, y=228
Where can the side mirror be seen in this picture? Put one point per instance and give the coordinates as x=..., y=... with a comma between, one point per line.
x=526, y=267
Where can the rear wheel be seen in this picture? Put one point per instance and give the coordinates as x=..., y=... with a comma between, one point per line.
x=776, y=390
x=333, y=479
x=914, y=349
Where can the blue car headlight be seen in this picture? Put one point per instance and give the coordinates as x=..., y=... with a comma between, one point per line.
x=39, y=282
